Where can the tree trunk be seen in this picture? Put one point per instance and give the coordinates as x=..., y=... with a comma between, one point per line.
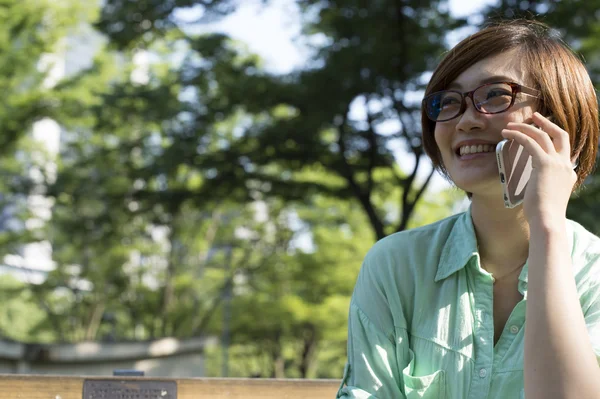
x=277, y=357
x=309, y=345
x=94, y=321
x=279, y=366
x=168, y=291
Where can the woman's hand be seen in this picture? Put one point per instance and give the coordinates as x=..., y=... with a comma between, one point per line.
x=552, y=178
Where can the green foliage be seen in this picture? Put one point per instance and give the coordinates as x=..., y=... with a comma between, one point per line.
x=130, y=23
x=30, y=30
x=17, y=301
x=374, y=53
x=187, y=191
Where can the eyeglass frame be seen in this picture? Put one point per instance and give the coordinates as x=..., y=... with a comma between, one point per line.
x=516, y=89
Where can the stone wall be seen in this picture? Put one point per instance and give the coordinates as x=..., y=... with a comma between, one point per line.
x=167, y=357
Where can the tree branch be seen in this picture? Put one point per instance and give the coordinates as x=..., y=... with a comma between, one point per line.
x=409, y=206
x=372, y=148
x=363, y=197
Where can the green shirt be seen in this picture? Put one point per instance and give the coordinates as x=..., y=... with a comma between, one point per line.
x=421, y=324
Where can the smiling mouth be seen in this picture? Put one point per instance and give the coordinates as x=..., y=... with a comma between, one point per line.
x=475, y=149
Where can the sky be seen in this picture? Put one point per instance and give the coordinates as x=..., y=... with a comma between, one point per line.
x=273, y=32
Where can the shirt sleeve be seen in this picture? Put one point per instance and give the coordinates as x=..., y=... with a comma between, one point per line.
x=371, y=371
x=377, y=350
x=592, y=322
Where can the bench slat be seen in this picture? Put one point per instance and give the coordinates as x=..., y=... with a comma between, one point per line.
x=14, y=386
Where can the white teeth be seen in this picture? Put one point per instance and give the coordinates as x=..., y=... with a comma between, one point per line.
x=474, y=149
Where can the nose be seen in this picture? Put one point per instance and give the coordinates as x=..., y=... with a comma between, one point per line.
x=471, y=119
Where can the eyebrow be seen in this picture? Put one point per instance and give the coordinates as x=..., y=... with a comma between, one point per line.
x=489, y=79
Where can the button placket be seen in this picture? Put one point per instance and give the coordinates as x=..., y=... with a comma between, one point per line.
x=484, y=342
x=511, y=337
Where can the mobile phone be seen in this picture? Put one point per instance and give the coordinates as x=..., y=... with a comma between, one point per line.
x=514, y=167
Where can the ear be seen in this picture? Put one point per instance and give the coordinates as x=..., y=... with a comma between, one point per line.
x=575, y=161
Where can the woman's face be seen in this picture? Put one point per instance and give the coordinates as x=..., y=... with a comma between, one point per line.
x=477, y=172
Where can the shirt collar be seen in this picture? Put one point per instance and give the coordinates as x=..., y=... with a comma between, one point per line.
x=523, y=280
x=461, y=246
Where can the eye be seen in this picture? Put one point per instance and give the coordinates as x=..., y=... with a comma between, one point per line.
x=494, y=93
x=449, y=101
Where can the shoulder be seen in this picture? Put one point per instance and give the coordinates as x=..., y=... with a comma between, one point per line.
x=419, y=242
x=584, y=241
x=395, y=266
x=585, y=255
x=409, y=257
x=585, y=246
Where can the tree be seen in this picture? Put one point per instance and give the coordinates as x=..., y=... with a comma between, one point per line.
x=21, y=314
x=31, y=32
x=289, y=316
x=376, y=55
x=130, y=23
x=159, y=178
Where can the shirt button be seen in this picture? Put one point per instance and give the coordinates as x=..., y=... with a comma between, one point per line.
x=482, y=373
x=514, y=329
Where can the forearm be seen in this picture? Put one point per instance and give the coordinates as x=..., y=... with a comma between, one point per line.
x=559, y=359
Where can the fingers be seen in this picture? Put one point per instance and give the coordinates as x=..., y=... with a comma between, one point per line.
x=530, y=144
x=560, y=138
x=535, y=133
x=548, y=139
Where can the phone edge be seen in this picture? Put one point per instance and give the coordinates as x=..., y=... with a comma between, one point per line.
x=502, y=174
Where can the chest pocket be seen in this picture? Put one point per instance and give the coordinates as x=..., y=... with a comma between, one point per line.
x=432, y=386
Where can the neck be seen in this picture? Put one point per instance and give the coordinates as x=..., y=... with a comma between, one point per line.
x=502, y=236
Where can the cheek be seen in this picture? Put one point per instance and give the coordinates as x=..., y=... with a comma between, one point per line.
x=520, y=116
x=444, y=146
x=442, y=139
x=437, y=135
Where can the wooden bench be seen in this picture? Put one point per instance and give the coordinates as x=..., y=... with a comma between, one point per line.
x=14, y=386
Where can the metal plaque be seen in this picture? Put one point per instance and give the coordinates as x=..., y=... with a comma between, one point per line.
x=129, y=389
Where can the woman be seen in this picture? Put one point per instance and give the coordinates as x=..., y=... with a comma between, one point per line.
x=495, y=302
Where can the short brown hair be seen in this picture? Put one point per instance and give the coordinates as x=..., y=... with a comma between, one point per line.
x=556, y=71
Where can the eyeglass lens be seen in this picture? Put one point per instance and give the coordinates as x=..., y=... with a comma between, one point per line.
x=489, y=99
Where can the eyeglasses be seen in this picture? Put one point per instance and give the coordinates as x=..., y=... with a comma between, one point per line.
x=490, y=98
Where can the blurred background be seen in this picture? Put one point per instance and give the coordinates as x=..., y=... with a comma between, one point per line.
x=188, y=187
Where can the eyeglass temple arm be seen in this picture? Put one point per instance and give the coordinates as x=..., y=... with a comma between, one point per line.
x=529, y=91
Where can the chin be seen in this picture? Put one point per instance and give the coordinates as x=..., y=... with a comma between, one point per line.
x=479, y=185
